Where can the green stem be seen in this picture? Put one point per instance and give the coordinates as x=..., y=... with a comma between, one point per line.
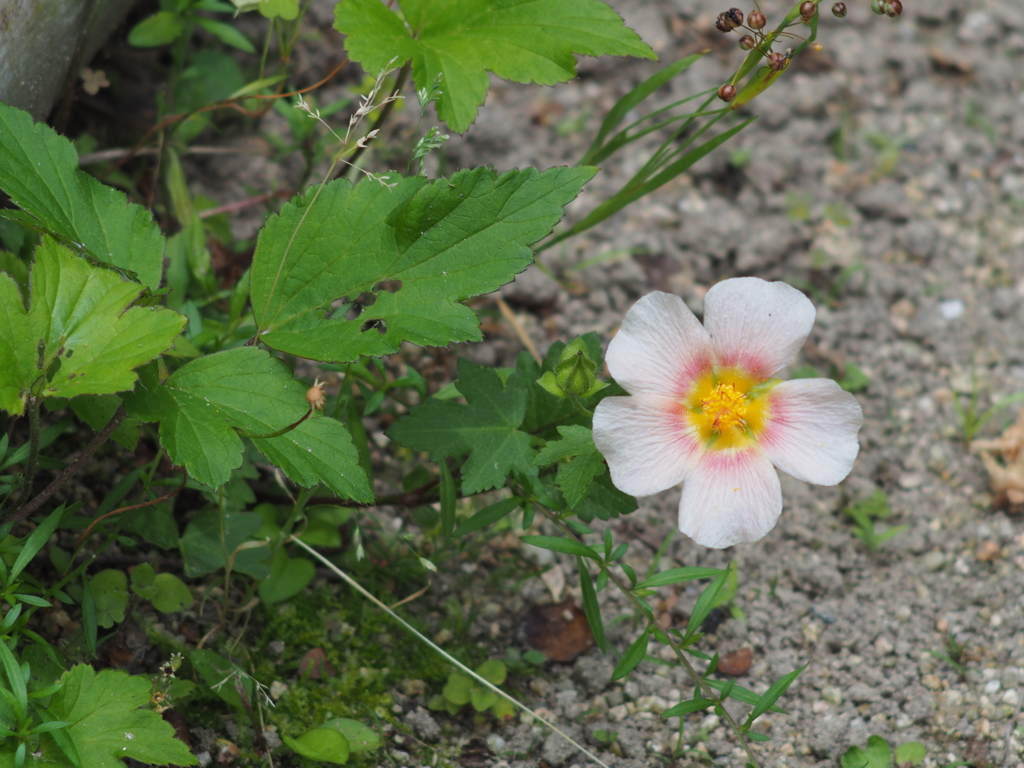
x=699, y=681
x=34, y=404
x=101, y=437
x=279, y=432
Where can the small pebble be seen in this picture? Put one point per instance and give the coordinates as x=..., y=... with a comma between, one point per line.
x=987, y=551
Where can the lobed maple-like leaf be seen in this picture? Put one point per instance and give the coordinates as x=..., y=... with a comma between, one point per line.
x=204, y=403
x=79, y=331
x=460, y=41
x=585, y=463
x=39, y=170
x=486, y=427
x=108, y=721
x=433, y=245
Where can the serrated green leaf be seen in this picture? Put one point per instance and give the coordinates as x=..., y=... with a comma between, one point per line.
x=604, y=501
x=108, y=721
x=39, y=170
x=486, y=428
x=632, y=657
x=91, y=340
x=324, y=744
x=575, y=476
x=574, y=441
x=203, y=403
x=526, y=41
x=444, y=241
x=110, y=596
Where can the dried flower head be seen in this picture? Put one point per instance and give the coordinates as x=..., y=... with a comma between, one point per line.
x=315, y=396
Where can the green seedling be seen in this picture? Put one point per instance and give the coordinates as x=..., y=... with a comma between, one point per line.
x=952, y=653
x=851, y=378
x=461, y=689
x=865, y=512
x=971, y=421
x=877, y=754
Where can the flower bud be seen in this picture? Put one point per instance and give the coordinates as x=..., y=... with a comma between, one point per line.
x=574, y=374
x=727, y=92
x=876, y=7
x=894, y=8
x=756, y=20
x=747, y=42
x=807, y=10
x=839, y=10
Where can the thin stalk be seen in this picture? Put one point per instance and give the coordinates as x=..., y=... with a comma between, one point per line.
x=640, y=606
x=34, y=404
x=385, y=113
x=359, y=588
x=101, y=437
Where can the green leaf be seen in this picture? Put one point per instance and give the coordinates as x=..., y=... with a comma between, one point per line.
x=222, y=677
x=679, y=575
x=704, y=604
x=360, y=737
x=285, y=9
x=226, y=33
x=575, y=476
x=740, y=693
x=482, y=698
x=159, y=29
x=686, y=707
x=110, y=596
x=39, y=170
x=204, y=551
x=35, y=542
x=143, y=581
x=855, y=757
x=559, y=544
x=526, y=41
x=633, y=656
x=172, y=594
x=591, y=609
x=604, y=501
x=96, y=411
x=493, y=671
x=288, y=576
x=443, y=241
x=203, y=403
x=773, y=693
x=488, y=515
x=16, y=681
x=79, y=313
x=108, y=721
x=910, y=753
x=486, y=428
x=457, y=689
x=325, y=744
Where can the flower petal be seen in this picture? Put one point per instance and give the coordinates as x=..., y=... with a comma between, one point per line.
x=660, y=348
x=645, y=441
x=756, y=325
x=812, y=430
x=730, y=497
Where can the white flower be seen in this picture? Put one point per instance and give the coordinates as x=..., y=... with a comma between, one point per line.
x=703, y=410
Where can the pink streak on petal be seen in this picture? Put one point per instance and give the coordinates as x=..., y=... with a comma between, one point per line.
x=756, y=325
x=646, y=442
x=730, y=498
x=812, y=430
x=660, y=348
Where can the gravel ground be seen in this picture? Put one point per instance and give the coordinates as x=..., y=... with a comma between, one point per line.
x=886, y=176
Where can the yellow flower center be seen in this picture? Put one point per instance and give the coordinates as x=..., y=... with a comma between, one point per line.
x=729, y=408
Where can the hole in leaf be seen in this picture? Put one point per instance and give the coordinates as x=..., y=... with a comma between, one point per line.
x=391, y=286
x=377, y=323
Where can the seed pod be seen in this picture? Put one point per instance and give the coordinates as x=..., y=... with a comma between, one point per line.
x=315, y=396
x=727, y=92
x=735, y=15
x=894, y=9
x=876, y=6
x=807, y=10
x=723, y=24
x=776, y=61
x=747, y=42
x=756, y=20
x=839, y=10
x=817, y=47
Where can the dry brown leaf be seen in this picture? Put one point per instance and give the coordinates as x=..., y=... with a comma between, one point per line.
x=1006, y=474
